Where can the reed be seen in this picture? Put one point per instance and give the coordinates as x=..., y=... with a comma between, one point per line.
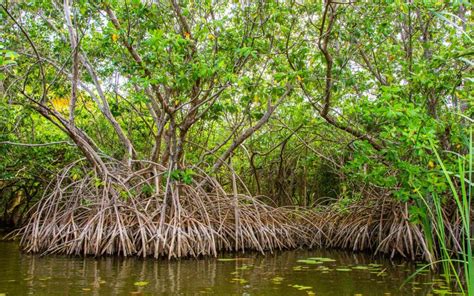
x=453, y=240
x=460, y=184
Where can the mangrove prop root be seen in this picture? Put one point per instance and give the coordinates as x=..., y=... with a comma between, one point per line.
x=145, y=213
x=125, y=214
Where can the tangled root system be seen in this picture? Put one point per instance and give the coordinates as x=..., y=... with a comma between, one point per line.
x=146, y=213
x=382, y=224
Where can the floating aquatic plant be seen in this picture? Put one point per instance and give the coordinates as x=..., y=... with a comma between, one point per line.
x=301, y=287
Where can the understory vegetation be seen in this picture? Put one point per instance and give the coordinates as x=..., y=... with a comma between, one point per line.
x=187, y=127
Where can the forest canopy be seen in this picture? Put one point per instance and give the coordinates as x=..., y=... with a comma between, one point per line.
x=161, y=108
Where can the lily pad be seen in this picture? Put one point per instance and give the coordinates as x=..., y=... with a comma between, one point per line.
x=360, y=267
x=301, y=287
x=239, y=280
x=141, y=284
x=322, y=259
x=277, y=280
x=244, y=267
x=343, y=269
x=309, y=261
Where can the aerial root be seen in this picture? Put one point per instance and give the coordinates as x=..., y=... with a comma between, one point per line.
x=382, y=224
x=124, y=214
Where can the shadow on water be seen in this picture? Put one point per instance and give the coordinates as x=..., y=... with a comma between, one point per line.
x=327, y=272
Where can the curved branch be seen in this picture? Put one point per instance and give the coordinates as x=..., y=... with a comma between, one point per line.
x=43, y=76
x=251, y=130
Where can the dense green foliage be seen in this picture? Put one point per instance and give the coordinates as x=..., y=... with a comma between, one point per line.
x=310, y=103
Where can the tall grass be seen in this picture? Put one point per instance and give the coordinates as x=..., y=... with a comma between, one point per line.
x=460, y=184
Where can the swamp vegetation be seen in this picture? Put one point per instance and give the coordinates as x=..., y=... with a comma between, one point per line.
x=188, y=128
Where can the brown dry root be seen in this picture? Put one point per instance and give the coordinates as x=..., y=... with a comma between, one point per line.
x=121, y=215
x=383, y=225
x=86, y=215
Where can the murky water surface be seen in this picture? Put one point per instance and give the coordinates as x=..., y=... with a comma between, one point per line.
x=300, y=272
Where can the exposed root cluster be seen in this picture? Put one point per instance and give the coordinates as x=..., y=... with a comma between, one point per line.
x=146, y=213
x=382, y=224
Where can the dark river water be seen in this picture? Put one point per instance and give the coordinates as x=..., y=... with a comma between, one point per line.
x=328, y=272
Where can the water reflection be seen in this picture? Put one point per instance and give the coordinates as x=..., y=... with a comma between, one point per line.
x=250, y=274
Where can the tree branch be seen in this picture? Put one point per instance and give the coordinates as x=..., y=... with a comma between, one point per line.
x=251, y=130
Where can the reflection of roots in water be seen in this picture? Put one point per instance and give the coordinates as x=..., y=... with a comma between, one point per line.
x=124, y=214
x=162, y=277
x=116, y=276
